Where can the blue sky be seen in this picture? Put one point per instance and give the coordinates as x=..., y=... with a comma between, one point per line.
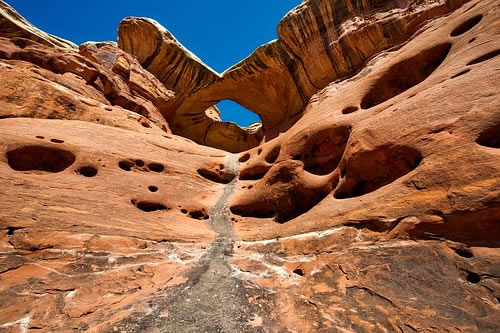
x=220, y=32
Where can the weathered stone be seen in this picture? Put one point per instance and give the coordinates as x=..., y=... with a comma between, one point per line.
x=279, y=78
x=14, y=25
x=375, y=209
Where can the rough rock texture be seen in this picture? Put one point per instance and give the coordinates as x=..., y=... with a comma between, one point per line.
x=375, y=209
x=279, y=78
x=14, y=25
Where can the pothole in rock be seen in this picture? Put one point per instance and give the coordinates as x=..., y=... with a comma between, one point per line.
x=350, y=109
x=259, y=212
x=149, y=206
x=484, y=57
x=473, y=278
x=156, y=167
x=465, y=253
x=40, y=158
x=125, y=165
x=254, y=172
x=244, y=158
x=288, y=191
x=216, y=175
x=87, y=171
x=272, y=156
x=197, y=214
x=323, y=150
x=368, y=171
x=466, y=26
x=490, y=137
x=416, y=69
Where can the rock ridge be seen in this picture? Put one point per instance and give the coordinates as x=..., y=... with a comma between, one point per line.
x=320, y=41
x=375, y=209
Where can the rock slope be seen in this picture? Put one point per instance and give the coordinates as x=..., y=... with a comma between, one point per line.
x=368, y=200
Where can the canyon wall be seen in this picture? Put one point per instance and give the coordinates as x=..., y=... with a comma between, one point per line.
x=368, y=200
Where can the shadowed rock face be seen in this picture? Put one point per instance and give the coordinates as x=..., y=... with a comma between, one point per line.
x=279, y=78
x=367, y=202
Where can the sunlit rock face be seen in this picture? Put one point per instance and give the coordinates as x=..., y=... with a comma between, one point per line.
x=367, y=201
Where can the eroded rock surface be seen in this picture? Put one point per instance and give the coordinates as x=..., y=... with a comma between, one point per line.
x=369, y=200
x=279, y=78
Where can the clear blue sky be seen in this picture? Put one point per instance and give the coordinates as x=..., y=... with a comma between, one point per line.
x=220, y=32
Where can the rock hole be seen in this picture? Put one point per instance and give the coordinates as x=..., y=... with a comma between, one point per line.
x=298, y=271
x=466, y=26
x=11, y=230
x=40, y=158
x=255, y=172
x=368, y=171
x=473, y=277
x=235, y=211
x=260, y=213
x=197, y=214
x=244, y=158
x=87, y=171
x=325, y=150
x=184, y=211
x=350, y=109
x=149, y=206
x=21, y=42
x=153, y=188
x=485, y=57
x=490, y=137
x=466, y=253
x=156, y=167
x=415, y=69
x=465, y=71
x=472, y=40
x=223, y=178
x=140, y=163
x=56, y=141
x=40, y=137
x=273, y=155
x=145, y=124
x=126, y=165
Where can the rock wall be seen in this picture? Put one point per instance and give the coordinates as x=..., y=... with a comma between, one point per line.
x=369, y=204
x=279, y=78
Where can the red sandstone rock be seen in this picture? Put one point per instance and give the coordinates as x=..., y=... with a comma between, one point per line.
x=374, y=209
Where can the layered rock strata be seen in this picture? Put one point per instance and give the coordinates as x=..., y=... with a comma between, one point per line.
x=279, y=78
x=14, y=25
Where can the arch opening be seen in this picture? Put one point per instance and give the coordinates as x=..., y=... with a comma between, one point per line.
x=231, y=111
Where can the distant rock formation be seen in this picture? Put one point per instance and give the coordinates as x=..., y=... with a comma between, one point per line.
x=368, y=200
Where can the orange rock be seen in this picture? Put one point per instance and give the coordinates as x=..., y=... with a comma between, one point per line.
x=368, y=200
